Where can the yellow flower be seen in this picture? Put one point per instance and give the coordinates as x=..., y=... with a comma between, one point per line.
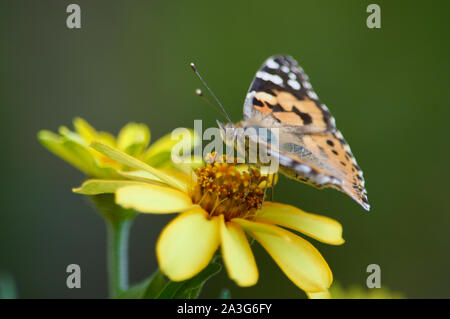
x=219, y=206
x=356, y=292
x=133, y=139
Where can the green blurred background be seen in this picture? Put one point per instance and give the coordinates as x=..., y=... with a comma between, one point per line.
x=387, y=88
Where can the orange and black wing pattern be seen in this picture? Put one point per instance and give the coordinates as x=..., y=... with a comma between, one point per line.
x=323, y=160
x=282, y=95
x=310, y=148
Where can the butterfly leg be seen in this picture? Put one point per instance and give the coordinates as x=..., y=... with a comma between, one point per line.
x=265, y=190
x=250, y=181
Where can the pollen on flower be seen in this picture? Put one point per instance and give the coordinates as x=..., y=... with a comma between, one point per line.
x=222, y=189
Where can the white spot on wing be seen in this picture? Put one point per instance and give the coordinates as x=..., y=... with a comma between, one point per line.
x=269, y=77
x=312, y=95
x=322, y=179
x=307, y=85
x=333, y=121
x=285, y=69
x=248, y=105
x=303, y=169
x=294, y=84
x=272, y=64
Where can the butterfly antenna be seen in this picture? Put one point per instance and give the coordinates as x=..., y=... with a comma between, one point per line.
x=199, y=92
x=214, y=106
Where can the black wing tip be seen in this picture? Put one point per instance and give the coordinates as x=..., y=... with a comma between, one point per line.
x=364, y=203
x=283, y=58
x=366, y=207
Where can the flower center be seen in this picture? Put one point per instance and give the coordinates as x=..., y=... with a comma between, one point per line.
x=224, y=189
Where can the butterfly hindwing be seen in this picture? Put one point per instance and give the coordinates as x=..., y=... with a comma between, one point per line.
x=327, y=154
x=281, y=93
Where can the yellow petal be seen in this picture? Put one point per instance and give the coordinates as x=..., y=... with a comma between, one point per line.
x=142, y=176
x=107, y=138
x=54, y=143
x=73, y=150
x=299, y=260
x=69, y=135
x=237, y=254
x=190, y=162
x=128, y=160
x=86, y=131
x=74, y=153
x=133, y=138
x=151, y=198
x=184, y=179
x=322, y=228
x=187, y=244
x=103, y=186
x=319, y=295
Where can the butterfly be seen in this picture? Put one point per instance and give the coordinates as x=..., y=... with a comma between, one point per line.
x=309, y=148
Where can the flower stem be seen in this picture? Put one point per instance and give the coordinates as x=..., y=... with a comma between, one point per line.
x=118, y=222
x=118, y=234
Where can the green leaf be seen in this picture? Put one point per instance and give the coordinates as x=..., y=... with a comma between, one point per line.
x=136, y=291
x=191, y=288
x=155, y=286
x=147, y=289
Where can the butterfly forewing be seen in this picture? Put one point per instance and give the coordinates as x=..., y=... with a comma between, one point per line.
x=310, y=149
x=281, y=93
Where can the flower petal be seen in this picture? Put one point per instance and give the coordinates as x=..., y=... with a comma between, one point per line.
x=142, y=176
x=70, y=151
x=187, y=244
x=322, y=228
x=237, y=254
x=128, y=160
x=85, y=130
x=300, y=261
x=151, y=198
x=319, y=295
x=133, y=138
x=106, y=138
x=184, y=179
x=103, y=186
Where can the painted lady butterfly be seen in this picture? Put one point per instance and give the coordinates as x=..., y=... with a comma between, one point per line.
x=311, y=149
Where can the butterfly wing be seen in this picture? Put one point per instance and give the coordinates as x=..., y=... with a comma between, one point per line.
x=310, y=149
x=281, y=95
x=323, y=160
